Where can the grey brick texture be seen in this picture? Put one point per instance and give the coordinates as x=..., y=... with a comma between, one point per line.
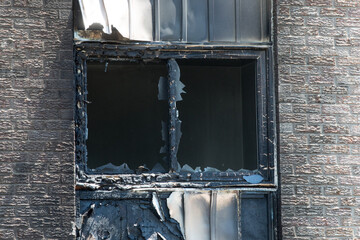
x=37, y=196
x=319, y=113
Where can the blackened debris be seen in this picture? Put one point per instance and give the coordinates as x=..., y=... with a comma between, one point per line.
x=128, y=219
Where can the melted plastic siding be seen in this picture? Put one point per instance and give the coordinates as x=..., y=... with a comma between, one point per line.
x=188, y=21
x=198, y=215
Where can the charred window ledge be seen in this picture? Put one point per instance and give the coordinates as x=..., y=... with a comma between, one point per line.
x=96, y=50
x=162, y=181
x=108, y=52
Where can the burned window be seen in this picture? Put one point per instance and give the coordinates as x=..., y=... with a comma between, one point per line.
x=169, y=141
x=175, y=119
x=201, y=118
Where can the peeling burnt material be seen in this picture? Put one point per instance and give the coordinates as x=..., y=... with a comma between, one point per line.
x=157, y=205
x=196, y=214
x=80, y=116
x=175, y=88
x=127, y=219
x=170, y=89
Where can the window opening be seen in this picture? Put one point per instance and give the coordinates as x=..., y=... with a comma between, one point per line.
x=141, y=121
x=124, y=115
x=218, y=115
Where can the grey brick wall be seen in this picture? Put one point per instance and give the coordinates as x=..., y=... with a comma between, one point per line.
x=319, y=93
x=36, y=120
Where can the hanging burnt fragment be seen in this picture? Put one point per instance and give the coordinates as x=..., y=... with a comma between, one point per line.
x=175, y=90
x=170, y=89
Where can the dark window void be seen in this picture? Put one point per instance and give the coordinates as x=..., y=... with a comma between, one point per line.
x=124, y=114
x=218, y=114
x=127, y=121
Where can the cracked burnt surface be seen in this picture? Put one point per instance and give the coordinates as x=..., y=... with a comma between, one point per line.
x=132, y=219
x=191, y=214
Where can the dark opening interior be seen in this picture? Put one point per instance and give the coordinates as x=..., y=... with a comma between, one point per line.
x=218, y=114
x=124, y=114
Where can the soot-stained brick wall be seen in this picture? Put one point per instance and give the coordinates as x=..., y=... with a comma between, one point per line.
x=36, y=120
x=319, y=87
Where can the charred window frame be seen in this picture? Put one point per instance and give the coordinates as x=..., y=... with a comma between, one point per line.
x=87, y=52
x=137, y=204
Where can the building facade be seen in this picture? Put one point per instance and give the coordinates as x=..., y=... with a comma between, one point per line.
x=310, y=188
